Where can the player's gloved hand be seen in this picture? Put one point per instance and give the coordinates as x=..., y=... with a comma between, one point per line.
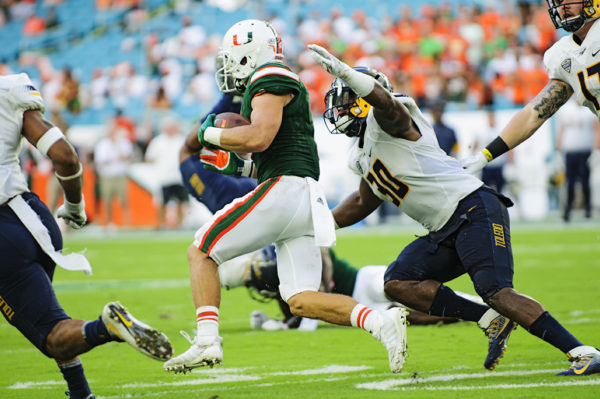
x=226, y=162
x=334, y=66
x=474, y=163
x=73, y=214
x=208, y=122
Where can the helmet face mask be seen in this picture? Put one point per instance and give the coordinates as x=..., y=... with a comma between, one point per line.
x=345, y=113
x=246, y=45
x=561, y=17
x=225, y=80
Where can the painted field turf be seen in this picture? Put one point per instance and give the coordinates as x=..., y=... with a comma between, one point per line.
x=149, y=274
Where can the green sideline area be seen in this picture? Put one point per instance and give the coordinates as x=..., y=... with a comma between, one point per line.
x=149, y=275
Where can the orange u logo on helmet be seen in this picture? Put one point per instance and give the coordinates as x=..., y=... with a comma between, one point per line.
x=236, y=42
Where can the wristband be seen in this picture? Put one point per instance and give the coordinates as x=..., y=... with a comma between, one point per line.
x=360, y=83
x=213, y=135
x=48, y=139
x=73, y=176
x=487, y=154
x=496, y=148
x=73, y=207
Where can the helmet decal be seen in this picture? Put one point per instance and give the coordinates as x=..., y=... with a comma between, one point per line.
x=276, y=45
x=248, y=39
x=345, y=112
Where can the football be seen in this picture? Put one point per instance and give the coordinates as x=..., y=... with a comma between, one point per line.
x=230, y=119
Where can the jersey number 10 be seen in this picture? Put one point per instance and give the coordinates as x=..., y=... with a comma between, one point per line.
x=386, y=183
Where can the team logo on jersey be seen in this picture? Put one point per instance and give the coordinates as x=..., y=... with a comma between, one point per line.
x=499, y=235
x=566, y=65
x=32, y=90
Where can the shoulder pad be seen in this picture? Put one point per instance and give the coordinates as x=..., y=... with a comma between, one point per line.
x=556, y=61
x=276, y=72
x=25, y=95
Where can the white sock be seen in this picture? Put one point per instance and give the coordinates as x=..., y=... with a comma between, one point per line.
x=207, y=318
x=487, y=318
x=366, y=318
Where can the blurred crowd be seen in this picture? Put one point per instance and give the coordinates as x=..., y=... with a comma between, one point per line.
x=36, y=24
x=467, y=57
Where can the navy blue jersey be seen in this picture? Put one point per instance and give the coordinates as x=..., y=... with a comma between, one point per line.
x=227, y=103
x=213, y=189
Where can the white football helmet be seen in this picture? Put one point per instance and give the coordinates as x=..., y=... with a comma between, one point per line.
x=246, y=45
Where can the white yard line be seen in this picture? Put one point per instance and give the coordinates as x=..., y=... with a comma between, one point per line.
x=392, y=383
x=399, y=383
x=217, y=379
x=331, y=369
x=36, y=384
x=209, y=377
x=569, y=383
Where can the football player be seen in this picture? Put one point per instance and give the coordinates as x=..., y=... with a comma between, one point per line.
x=31, y=244
x=258, y=271
x=287, y=208
x=399, y=160
x=573, y=66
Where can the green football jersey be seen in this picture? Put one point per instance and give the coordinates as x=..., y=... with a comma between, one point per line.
x=344, y=275
x=293, y=151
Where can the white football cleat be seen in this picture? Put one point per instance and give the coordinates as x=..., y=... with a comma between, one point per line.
x=206, y=350
x=257, y=319
x=124, y=327
x=393, y=336
x=274, y=325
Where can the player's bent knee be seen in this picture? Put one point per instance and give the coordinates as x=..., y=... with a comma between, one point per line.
x=499, y=297
x=300, y=303
x=396, y=289
x=194, y=254
x=295, y=304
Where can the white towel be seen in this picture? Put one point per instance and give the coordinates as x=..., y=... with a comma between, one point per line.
x=33, y=223
x=323, y=223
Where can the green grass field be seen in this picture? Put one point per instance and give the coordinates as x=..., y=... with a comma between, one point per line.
x=148, y=273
